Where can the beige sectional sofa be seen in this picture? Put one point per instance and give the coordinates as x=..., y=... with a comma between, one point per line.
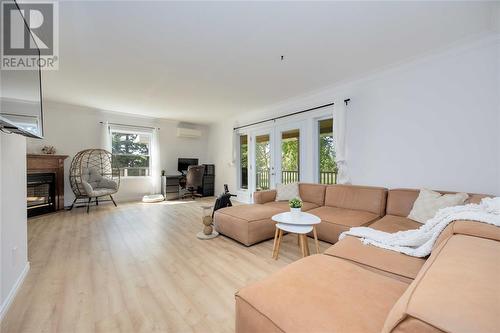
x=250, y=224
x=339, y=206
x=347, y=206
x=361, y=288
x=455, y=290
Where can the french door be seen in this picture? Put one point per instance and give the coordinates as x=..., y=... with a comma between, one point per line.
x=263, y=160
x=289, y=152
x=276, y=156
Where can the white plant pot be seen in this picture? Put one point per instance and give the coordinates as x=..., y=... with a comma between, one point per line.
x=295, y=211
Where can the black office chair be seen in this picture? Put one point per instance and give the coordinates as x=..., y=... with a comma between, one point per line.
x=194, y=179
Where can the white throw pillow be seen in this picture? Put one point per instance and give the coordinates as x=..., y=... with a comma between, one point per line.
x=429, y=202
x=287, y=191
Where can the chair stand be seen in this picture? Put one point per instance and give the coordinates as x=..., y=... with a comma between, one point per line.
x=192, y=194
x=86, y=202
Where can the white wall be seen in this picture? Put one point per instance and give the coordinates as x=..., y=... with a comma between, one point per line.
x=432, y=123
x=13, y=224
x=71, y=129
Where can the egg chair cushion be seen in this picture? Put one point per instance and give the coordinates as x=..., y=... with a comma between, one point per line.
x=96, y=185
x=108, y=184
x=100, y=192
x=90, y=177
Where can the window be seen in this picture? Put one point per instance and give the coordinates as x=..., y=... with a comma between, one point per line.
x=326, y=163
x=131, y=153
x=290, y=156
x=262, y=162
x=244, y=161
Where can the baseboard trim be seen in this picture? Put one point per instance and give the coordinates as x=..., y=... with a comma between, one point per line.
x=13, y=292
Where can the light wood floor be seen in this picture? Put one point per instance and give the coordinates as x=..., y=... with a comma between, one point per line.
x=135, y=268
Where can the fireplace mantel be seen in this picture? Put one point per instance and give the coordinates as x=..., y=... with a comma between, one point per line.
x=45, y=163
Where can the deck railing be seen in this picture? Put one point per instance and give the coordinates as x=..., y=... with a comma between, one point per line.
x=262, y=179
x=134, y=172
x=327, y=177
x=287, y=176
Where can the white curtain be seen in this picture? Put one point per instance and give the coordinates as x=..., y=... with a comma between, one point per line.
x=234, y=147
x=339, y=132
x=155, y=162
x=105, y=136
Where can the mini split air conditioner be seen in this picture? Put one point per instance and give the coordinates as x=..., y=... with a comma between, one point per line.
x=188, y=133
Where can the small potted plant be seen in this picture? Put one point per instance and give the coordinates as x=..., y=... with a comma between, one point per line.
x=295, y=206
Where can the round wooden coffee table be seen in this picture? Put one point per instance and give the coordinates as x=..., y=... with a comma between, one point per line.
x=297, y=223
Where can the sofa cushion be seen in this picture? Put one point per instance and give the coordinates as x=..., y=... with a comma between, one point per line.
x=366, y=198
x=393, y=263
x=469, y=228
x=250, y=320
x=283, y=205
x=250, y=212
x=261, y=197
x=456, y=291
x=247, y=224
x=334, y=221
x=400, y=201
x=345, y=217
x=286, y=192
x=318, y=294
x=314, y=193
x=391, y=223
x=429, y=202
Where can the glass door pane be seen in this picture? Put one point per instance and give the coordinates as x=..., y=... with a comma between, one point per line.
x=262, y=162
x=290, y=156
x=244, y=161
x=327, y=166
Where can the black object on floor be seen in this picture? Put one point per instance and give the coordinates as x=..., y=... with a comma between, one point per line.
x=223, y=200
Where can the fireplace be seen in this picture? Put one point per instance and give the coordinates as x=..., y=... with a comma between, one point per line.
x=45, y=180
x=41, y=193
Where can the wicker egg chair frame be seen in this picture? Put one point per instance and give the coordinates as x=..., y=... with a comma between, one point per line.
x=99, y=159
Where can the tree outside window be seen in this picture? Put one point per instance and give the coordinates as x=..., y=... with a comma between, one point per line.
x=131, y=153
x=244, y=161
x=290, y=156
x=263, y=161
x=327, y=165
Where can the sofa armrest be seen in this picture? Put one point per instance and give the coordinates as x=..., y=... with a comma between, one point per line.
x=261, y=197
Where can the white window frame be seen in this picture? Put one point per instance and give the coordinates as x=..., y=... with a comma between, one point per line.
x=309, y=159
x=258, y=131
x=316, y=145
x=239, y=179
x=128, y=131
x=300, y=125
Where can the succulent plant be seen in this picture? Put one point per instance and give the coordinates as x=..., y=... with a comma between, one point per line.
x=295, y=203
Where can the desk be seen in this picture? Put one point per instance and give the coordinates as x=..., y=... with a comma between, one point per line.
x=170, y=186
x=173, y=186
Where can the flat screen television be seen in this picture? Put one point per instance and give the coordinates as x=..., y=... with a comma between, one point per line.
x=184, y=163
x=21, y=91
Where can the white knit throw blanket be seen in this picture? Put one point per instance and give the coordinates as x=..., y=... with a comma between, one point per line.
x=419, y=242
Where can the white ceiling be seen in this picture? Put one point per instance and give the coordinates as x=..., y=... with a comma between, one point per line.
x=202, y=61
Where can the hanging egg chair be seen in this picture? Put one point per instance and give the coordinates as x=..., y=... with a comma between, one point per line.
x=93, y=176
